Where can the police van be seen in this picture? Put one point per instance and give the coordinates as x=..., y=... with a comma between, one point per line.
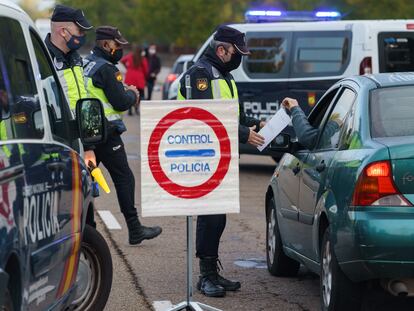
x=302, y=58
x=51, y=256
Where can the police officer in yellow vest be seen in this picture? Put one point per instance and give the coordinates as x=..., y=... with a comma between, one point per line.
x=68, y=34
x=104, y=81
x=211, y=79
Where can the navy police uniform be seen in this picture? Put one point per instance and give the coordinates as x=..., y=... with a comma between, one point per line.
x=210, y=78
x=104, y=81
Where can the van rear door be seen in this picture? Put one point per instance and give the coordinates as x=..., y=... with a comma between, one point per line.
x=396, y=51
x=267, y=70
x=318, y=59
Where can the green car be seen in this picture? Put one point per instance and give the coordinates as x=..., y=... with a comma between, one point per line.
x=344, y=208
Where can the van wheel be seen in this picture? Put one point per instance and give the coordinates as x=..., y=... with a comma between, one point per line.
x=94, y=276
x=278, y=263
x=337, y=292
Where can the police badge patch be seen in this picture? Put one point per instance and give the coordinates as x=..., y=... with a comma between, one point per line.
x=118, y=76
x=202, y=84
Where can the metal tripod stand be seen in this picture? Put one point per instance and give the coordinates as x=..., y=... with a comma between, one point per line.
x=189, y=304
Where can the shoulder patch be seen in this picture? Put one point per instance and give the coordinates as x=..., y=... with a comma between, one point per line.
x=118, y=76
x=202, y=84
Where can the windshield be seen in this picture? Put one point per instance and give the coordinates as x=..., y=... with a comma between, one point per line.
x=392, y=112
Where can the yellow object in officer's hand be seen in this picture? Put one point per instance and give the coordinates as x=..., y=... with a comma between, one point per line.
x=98, y=176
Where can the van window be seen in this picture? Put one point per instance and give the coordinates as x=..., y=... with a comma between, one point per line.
x=19, y=100
x=52, y=92
x=269, y=55
x=320, y=53
x=396, y=51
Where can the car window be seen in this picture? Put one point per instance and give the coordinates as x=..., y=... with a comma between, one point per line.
x=178, y=68
x=392, y=112
x=396, y=50
x=21, y=117
x=269, y=55
x=332, y=126
x=52, y=92
x=320, y=53
x=317, y=114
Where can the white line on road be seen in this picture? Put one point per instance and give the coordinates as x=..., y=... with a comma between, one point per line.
x=162, y=305
x=109, y=220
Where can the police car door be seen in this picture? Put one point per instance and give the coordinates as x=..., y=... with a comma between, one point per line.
x=53, y=190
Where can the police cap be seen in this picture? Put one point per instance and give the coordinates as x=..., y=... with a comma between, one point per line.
x=110, y=33
x=233, y=36
x=64, y=13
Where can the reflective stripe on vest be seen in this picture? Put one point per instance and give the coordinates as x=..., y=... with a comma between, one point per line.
x=73, y=84
x=110, y=113
x=91, y=67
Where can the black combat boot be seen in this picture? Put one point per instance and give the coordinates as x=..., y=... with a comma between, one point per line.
x=215, y=277
x=137, y=232
x=207, y=283
x=225, y=283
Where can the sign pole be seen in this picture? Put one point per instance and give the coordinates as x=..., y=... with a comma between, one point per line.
x=190, y=304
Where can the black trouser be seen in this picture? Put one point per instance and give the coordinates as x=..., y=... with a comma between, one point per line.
x=113, y=156
x=150, y=87
x=209, y=231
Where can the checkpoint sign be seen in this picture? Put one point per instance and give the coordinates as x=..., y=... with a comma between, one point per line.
x=189, y=158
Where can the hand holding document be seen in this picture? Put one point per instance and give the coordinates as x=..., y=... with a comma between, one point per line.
x=273, y=127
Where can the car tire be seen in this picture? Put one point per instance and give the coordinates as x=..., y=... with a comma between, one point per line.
x=337, y=292
x=94, y=276
x=278, y=263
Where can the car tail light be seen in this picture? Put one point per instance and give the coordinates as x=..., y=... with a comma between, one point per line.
x=410, y=26
x=375, y=187
x=171, y=77
x=366, y=66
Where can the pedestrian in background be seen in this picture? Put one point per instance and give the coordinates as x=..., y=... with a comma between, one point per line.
x=136, y=72
x=154, y=63
x=104, y=81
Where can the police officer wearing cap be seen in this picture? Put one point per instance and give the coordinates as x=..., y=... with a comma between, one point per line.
x=68, y=34
x=211, y=79
x=104, y=81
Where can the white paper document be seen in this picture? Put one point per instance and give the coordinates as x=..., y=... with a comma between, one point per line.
x=273, y=127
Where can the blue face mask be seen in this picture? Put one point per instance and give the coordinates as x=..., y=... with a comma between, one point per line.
x=75, y=42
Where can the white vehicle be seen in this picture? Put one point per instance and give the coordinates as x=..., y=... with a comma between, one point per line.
x=43, y=27
x=303, y=59
x=51, y=255
x=178, y=68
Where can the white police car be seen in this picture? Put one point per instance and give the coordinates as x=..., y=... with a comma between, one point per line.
x=302, y=58
x=51, y=256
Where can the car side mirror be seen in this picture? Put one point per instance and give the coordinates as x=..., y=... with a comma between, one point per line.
x=282, y=142
x=91, y=121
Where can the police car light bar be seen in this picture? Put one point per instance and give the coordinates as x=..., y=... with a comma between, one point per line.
x=332, y=14
x=261, y=16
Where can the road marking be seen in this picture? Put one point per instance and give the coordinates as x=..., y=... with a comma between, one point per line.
x=109, y=220
x=162, y=305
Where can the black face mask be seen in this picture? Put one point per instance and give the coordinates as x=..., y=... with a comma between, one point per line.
x=115, y=55
x=234, y=62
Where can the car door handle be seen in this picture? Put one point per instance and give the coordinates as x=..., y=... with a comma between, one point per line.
x=321, y=167
x=296, y=169
x=56, y=166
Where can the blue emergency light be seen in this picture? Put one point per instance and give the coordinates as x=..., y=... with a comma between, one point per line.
x=271, y=15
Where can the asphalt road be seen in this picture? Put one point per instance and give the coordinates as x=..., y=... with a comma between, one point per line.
x=152, y=276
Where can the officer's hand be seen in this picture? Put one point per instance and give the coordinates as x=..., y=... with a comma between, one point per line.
x=135, y=90
x=289, y=103
x=89, y=155
x=262, y=124
x=254, y=138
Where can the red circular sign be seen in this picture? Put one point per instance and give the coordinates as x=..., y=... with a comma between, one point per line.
x=154, y=160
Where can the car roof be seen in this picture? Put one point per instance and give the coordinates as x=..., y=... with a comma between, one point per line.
x=392, y=79
x=184, y=57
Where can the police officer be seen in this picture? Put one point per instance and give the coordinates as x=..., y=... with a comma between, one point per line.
x=68, y=34
x=104, y=81
x=211, y=79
